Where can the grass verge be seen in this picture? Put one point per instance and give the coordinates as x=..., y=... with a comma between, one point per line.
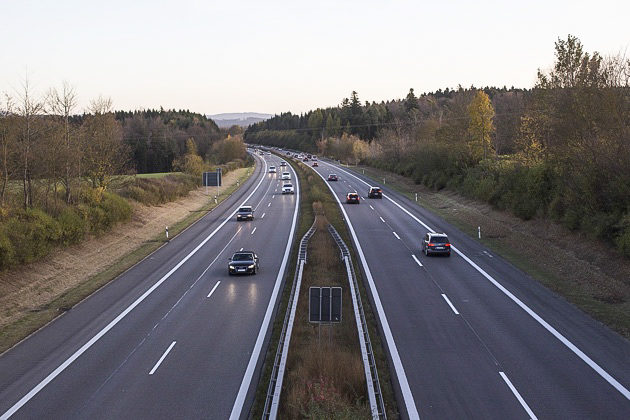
x=34, y=320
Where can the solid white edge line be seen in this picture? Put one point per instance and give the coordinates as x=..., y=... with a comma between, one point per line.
x=254, y=230
x=591, y=363
x=450, y=304
x=396, y=235
x=214, y=288
x=116, y=320
x=410, y=403
x=416, y=260
x=159, y=362
x=520, y=399
x=361, y=333
x=251, y=366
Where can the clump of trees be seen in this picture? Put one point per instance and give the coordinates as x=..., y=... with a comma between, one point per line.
x=560, y=149
x=59, y=168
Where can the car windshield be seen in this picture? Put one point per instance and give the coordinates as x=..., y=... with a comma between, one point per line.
x=287, y=185
x=439, y=239
x=242, y=257
x=245, y=209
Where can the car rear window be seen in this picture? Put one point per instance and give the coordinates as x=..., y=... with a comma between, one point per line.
x=245, y=209
x=439, y=239
x=242, y=257
x=287, y=185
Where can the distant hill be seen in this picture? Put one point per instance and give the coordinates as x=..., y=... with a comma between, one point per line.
x=244, y=119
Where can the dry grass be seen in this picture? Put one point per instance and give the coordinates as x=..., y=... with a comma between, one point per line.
x=325, y=376
x=33, y=288
x=590, y=274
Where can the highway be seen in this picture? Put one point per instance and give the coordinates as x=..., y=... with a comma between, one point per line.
x=173, y=337
x=471, y=336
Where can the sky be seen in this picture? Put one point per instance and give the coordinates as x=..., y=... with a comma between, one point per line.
x=276, y=56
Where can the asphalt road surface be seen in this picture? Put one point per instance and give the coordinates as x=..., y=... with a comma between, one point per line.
x=173, y=337
x=471, y=336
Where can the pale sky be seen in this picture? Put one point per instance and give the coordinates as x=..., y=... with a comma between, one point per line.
x=276, y=56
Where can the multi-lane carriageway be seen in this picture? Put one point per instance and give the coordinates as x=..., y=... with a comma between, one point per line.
x=173, y=337
x=471, y=336
x=468, y=336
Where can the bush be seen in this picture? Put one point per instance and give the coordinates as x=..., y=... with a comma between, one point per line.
x=32, y=233
x=73, y=226
x=7, y=252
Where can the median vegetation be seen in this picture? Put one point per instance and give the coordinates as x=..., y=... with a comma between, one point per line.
x=324, y=376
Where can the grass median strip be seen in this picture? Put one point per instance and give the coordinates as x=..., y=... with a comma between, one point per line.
x=313, y=387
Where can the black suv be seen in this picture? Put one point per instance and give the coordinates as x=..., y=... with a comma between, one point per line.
x=436, y=243
x=243, y=262
x=375, y=192
x=245, y=213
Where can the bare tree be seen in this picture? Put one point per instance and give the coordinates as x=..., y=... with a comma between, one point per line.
x=104, y=152
x=7, y=145
x=29, y=110
x=63, y=103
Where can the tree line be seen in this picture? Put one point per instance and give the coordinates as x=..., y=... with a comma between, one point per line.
x=560, y=149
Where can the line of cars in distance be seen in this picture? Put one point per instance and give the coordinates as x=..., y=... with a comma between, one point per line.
x=433, y=243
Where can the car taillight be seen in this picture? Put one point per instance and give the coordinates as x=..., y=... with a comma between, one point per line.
x=447, y=244
x=430, y=244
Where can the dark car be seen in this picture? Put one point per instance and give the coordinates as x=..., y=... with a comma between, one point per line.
x=315, y=164
x=245, y=213
x=332, y=177
x=436, y=243
x=352, y=198
x=375, y=192
x=243, y=262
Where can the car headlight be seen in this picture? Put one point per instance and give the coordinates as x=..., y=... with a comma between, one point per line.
x=251, y=266
x=231, y=267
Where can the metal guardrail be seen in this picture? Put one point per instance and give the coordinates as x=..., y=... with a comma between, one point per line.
x=272, y=401
x=371, y=374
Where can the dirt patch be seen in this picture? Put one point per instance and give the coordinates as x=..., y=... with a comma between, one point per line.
x=587, y=272
x=32, y=287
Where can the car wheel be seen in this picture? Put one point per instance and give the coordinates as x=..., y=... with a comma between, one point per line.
x=448, y=254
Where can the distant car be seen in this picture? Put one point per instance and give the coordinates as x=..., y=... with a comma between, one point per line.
x=283, y=163
x=305, y=159
x=287, y=188
x=332, y=177
x=272, y=169
x=352, y=198
x=245, y=213
x=375, y=192
x=286, y=175
x=436, y=243
x=315, y=164
x=314, y=157
x=243, y=262
x=267, y=153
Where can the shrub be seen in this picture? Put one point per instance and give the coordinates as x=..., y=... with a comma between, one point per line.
x=7, y=252
x=32, y=233
x=73, y=226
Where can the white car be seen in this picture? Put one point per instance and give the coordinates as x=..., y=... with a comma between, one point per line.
x=283, y=163
x=272, y=169
x=287, y=189
x=286, y=175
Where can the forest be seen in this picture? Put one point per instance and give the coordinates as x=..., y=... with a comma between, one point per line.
x=65, y=174
x=559, y=150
